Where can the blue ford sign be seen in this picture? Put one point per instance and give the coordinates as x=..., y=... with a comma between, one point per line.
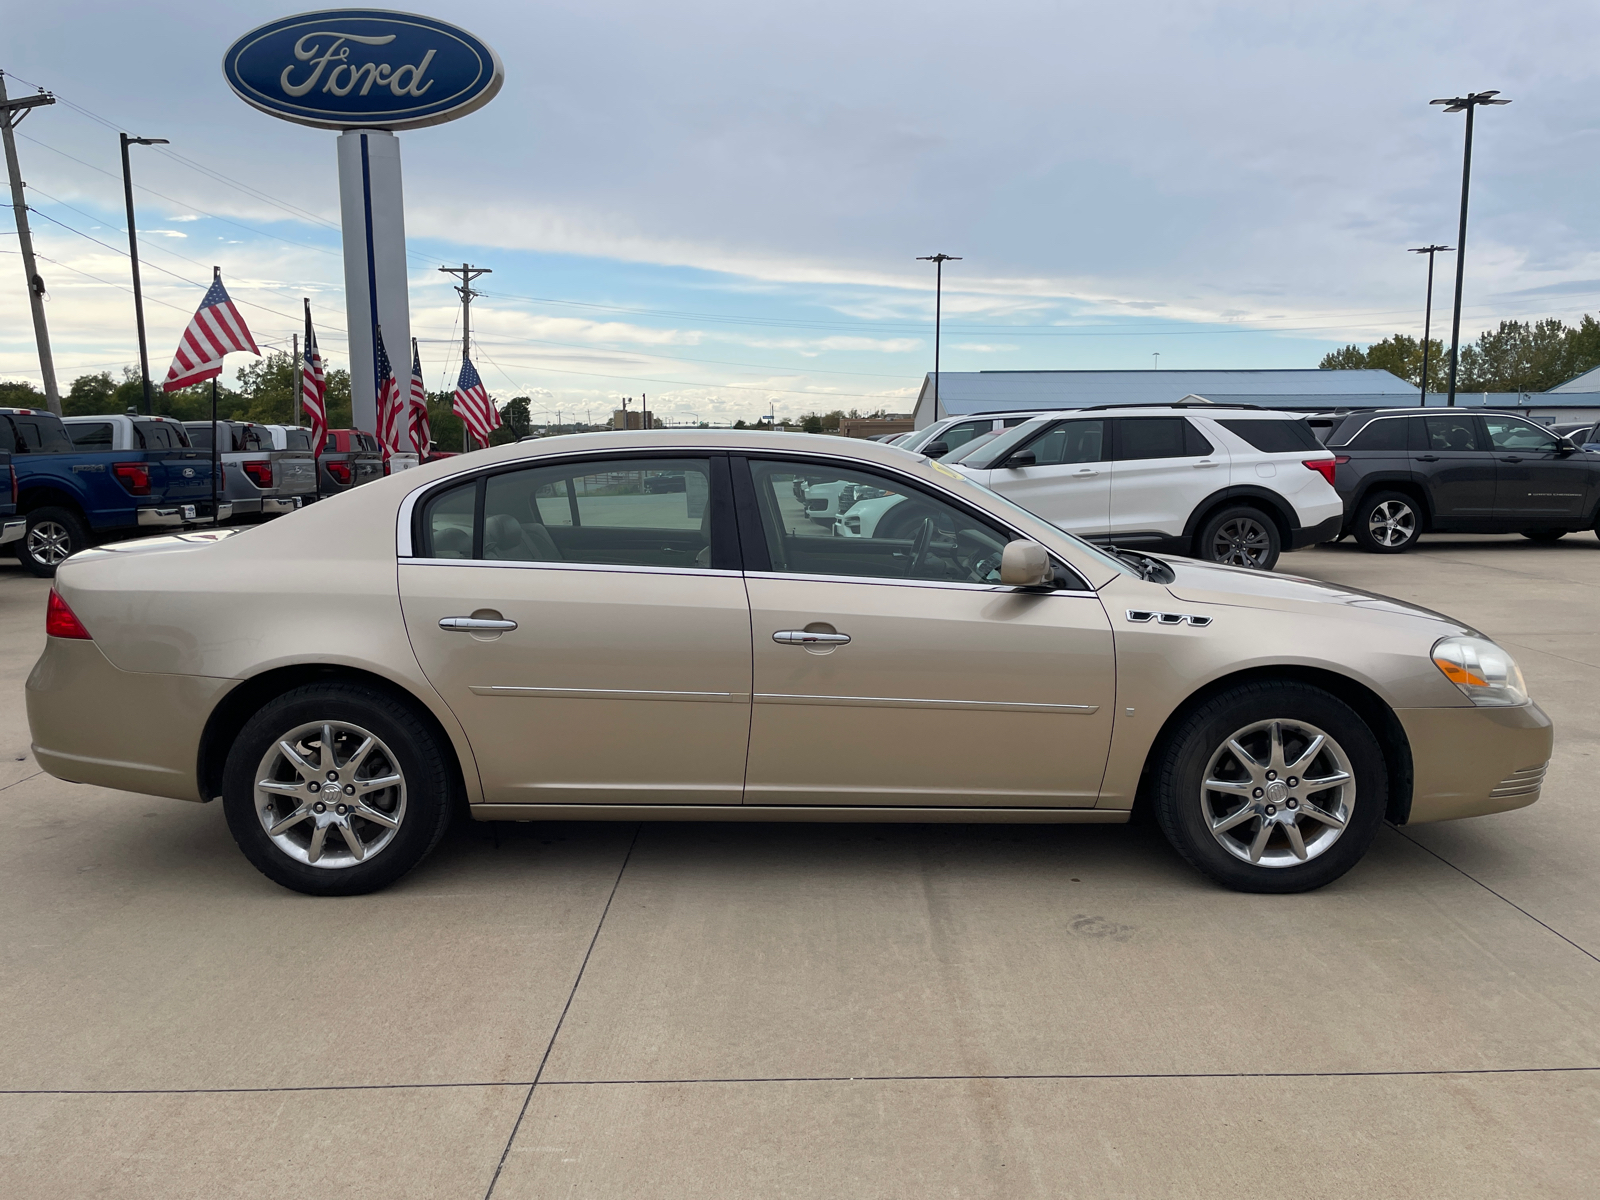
x=363, y=68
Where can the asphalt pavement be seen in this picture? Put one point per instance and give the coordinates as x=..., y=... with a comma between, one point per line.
x=707, y=1011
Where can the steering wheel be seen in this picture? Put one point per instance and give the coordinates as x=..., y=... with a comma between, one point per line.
x=919, y=547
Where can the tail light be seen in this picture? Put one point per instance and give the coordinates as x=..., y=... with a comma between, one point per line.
x=1324, y=466
x=260, y=471
x=60, y=621
x=133, y=476
x=339, y=471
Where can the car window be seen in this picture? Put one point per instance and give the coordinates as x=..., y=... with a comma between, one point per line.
x=820, y=519
x=626, y=512
x=297, y=439
x=1274, y=437
x=249, y=437
x=41, y=435
x=8, y=439
x=1386, y=433
x=157, y=435
x=1070, y=442
x=1512, y=433
x=1451, y=433
x=1001, y=447
x=1159, y=437
x=200, y=434
x=963, y=432
x=91, y=435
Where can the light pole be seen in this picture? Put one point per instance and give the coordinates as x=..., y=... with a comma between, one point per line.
x=133, y=254
x=1466, y=104
x=1427, y=311
x=938, y=261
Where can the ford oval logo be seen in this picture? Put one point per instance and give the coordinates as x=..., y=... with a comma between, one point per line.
x=188, y=472
x=363, y=68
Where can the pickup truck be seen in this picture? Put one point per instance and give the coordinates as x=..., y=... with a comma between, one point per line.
x=12, y=527
x=145, y=477
x=258, y=480
x=366, y=456
x=335, y=472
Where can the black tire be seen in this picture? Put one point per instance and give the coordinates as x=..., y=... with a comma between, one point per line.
x=52, y=535
x=420, y=806
x=1387, y=523
x=1186, y=812
x=1241, y=536
x=1544, y=536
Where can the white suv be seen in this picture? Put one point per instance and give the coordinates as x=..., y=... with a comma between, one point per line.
x=1229, y=484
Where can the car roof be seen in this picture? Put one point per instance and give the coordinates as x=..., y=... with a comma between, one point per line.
x=1216, y=411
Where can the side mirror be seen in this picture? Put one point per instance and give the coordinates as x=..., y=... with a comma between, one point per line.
x=1022, y=458
x=936, y=449
x=1024, y=564
x=1567, y=446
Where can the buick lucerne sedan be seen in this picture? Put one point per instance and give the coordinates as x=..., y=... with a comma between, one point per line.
x=551, y=630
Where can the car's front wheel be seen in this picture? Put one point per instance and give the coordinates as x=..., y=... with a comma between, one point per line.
x=334, y=789
x=1272, y=787
x=1387, y=523
x=1241, y=537
x=53, y=535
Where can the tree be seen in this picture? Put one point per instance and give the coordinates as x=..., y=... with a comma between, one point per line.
x=14, y=393
x=1517, y=356
x=811, y=423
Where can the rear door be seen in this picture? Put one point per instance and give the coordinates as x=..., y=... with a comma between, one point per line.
x=1537, y=480
x=1457, y=470
x=1162, y=468
x=1069, y=481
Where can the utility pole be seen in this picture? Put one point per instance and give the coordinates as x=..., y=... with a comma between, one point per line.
x=1467, y=104
x=11, y=114
x=1155, y=359
x=938, y=261
x=644, y=411
x=1427, y=312
x=464, y=289
x=133, y=255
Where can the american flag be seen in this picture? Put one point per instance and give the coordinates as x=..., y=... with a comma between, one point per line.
x=313, y=383
x=421, y=434
x=472, y=404
x=215, y=330
x=390, y=407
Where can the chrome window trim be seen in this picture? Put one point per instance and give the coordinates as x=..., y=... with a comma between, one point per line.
x=1369, y=424
x=605, y=568
x=942, y=584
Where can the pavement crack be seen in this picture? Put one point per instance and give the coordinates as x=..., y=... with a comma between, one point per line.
x=556, y=1032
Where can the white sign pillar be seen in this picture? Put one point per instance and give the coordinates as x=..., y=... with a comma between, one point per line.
x=372, y=206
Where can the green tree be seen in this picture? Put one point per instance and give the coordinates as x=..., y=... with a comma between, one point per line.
x=1517, y=356
x=14, y=393
x=811, y=423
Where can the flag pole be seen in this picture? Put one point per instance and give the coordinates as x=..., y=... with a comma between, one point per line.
x=216, y=454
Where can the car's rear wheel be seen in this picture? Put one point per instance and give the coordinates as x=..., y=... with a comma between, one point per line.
x=1544, y=535
x=1242, y=537
x=1387, y=523
x=334, y=789
x=1272, y=787
x=53, y=535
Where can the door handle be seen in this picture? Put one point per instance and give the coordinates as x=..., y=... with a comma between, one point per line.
x=475, y=625
x=1200, y=466
x=1427, y=458
x=1086, y=471
x=802, y=637
x=1510, y=458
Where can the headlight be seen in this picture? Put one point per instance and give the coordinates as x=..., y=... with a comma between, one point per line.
x=1484, y=672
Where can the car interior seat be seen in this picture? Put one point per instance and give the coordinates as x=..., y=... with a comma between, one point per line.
x=507, y=539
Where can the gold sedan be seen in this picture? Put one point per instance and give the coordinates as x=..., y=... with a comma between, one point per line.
x=669, y=626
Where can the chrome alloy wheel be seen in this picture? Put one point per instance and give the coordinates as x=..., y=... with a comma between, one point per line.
x=49, y=543
x=1392, y=523
x=1278, y=793
x=330, y=795
x=1241, y=542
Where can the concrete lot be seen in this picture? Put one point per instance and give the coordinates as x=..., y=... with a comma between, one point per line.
x=810, y=1011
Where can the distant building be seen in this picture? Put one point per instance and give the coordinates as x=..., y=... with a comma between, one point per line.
x=1301, y=390
x=868, y=427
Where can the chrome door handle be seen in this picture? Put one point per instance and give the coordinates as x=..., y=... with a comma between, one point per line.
x=1086, y=471
x=802, y=637
x=1201, y=465
x=475, y=625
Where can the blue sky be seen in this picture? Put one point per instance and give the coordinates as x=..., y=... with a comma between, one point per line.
x=720, y=206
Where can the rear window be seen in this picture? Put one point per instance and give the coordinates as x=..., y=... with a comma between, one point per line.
x=251, y=437
x=40, y=434
x=160, y=435
x=91, y=435
x=200, y=434
x=1275, y=437
x=368, y=442
x=297, y=439
x=1390, y=434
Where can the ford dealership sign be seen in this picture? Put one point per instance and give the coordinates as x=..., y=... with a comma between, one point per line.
x=363, y=68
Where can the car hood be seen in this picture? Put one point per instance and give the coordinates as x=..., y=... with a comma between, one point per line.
x=1212, y=583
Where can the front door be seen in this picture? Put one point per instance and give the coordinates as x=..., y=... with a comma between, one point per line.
x=896, y=671
x=1458, y=472
x=1537, y=480
x=1164, y=468
x=588, y=625
x=1069, y=480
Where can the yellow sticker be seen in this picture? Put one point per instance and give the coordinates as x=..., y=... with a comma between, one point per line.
x=944, y=470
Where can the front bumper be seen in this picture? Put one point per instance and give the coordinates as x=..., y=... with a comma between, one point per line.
x=177, y=514
x=11, y=530
x=1467, y=762
x=1322, y=531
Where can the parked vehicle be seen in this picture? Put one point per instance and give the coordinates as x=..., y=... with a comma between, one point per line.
x=365, y=455
x=1403, y=473
x=12, y=527
x=1226, y=483
x=940, y=438
x=258, y=479
x=515, y=633
x=136, y=475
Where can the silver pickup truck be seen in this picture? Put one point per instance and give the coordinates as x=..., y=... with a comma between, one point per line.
x=258, y=479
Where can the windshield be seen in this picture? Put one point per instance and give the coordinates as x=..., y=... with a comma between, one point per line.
x=1001, y=447
x=959, y=454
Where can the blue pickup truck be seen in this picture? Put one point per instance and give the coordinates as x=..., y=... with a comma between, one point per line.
x=147, y=477
x=12, y=527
